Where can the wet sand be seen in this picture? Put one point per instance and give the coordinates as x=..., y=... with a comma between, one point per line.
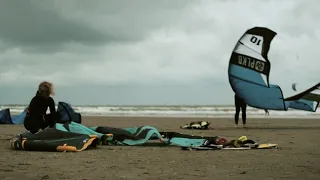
x=298, y=156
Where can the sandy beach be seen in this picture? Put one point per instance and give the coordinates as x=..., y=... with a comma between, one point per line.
x=298, y=155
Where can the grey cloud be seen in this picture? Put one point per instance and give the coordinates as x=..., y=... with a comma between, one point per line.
x=25, y=23
x=132, y=20
x=301, y=20
x=140, y=44
x=46, y=26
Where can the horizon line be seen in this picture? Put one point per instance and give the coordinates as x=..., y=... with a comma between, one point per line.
x=126, y=105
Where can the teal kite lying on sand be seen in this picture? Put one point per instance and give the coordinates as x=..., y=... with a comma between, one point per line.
x=76, y=137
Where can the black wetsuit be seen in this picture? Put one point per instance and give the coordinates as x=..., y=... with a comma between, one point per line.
x=36, y=117
x=240, y=104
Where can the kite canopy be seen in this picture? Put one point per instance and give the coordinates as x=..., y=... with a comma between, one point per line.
x=6, y=118
x=67, y=114
x=249, y=69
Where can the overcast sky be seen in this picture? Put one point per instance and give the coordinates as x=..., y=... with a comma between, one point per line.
x=148, y=52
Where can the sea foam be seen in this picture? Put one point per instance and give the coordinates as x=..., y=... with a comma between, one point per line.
x=176, y=111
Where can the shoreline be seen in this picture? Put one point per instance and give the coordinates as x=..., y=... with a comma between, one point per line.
x=165, y=116
x=202, y=117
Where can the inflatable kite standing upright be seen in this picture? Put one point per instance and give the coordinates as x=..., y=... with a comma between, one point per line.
x=249, y=69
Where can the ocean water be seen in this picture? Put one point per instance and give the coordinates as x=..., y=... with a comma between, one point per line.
x=176, y=111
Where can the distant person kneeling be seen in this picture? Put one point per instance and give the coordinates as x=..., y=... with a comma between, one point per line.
x=36, y=117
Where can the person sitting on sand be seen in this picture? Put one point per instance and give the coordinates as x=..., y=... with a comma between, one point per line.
x=240, y=104
x=36, y=117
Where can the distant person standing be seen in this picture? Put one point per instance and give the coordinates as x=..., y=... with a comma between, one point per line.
x=240, y=104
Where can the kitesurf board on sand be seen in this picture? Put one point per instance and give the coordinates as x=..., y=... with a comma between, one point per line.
x=220, y=147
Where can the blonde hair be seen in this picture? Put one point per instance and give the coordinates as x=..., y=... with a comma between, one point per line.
x=45, y=89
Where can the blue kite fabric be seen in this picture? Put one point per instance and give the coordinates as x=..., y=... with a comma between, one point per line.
x=5, y=117
x=249, y=70
x=19, y=119
x=67, y=114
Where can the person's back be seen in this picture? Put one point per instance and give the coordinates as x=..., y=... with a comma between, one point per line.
x=36, y=117
x=39, y=105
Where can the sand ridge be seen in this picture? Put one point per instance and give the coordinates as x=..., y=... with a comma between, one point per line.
x=298, y=155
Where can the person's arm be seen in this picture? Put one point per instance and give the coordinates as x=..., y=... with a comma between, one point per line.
x=55, y=118
x=52, y=106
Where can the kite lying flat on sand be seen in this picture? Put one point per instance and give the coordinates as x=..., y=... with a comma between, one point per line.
x=69, y=135
x=249, y=69
x=74, y=137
